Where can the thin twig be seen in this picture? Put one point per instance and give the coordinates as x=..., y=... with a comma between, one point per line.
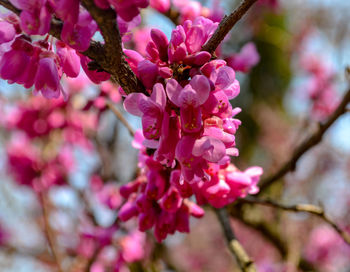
x=50, y=233
x=121, y=117
x=226, y=24
x=310, y=142
x=244, y=261
x=309, y=208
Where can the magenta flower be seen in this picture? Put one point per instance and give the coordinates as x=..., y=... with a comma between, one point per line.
x=194, y=155
x=189, y=10
x=69, y=59
x=165, y=225
x=68, y=10
x=47, y=79
x=170, y=136
x=149, y=108
x=78, y=35
x=127, y=10
x=171, y=201
x=95, y=76
x=246, y=59
x=186, y=41
x=24, y=162
x=160, y=5
x=7, y=32
x=133, y=246
x=227, y=184
x=102, y=4
x=189, y=99
x=36, y=22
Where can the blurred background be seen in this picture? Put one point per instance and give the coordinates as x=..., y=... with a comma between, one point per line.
x=303, y=49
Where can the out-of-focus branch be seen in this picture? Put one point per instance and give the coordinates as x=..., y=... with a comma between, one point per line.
x=271, y=234
x=41, y=255
x=244, y=261
x=309, y=208
x=121, y=118
x=173, y=15
x=310, y=142
x=108, y=56
x=226, y=24
x=50, y=233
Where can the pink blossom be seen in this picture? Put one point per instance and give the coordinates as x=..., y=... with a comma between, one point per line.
x=246, y=59
x=149, y=108
x=94, y=76
x=142, y=36
x=68, y=10
x=78, y=35
x=125, y=27
x=160, y=5
x=187, y=40
x=189, y=99
x=326, y=248
x=47, y=79
x=133, y=246
x=69, y=59
x=227, y=184
x=7, y=32
x=127, y=10
x=189, y=10
x=37, y=21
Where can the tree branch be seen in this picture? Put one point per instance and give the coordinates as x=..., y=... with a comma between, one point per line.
x=226, y=24
x=121, y=118
x=50, y=233
x=271, y=234
x=309, y=208
x=114, y=59
x=109, y=56
x=244, y=261
x=310, y=142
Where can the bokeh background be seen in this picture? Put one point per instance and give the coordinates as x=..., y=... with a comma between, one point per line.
x=293, y=39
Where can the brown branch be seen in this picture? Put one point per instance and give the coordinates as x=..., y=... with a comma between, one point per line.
x=109, y=56
x=121, y=118
x=50, y=234
x=310, y=142
x=173, y=15
x=114, y=59
x=244, y=261
x=226, y=24
x=309, y=208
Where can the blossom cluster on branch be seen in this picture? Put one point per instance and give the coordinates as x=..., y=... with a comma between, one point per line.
x=188, y=122
x=189, y=131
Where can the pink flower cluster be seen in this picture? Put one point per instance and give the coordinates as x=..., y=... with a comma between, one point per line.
x=189, y=131
x=320, y=86
x=27, y=166
x=105, y=241
x=245, y=60
x=40, y=154
x=39, y=63
x=327, y=250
